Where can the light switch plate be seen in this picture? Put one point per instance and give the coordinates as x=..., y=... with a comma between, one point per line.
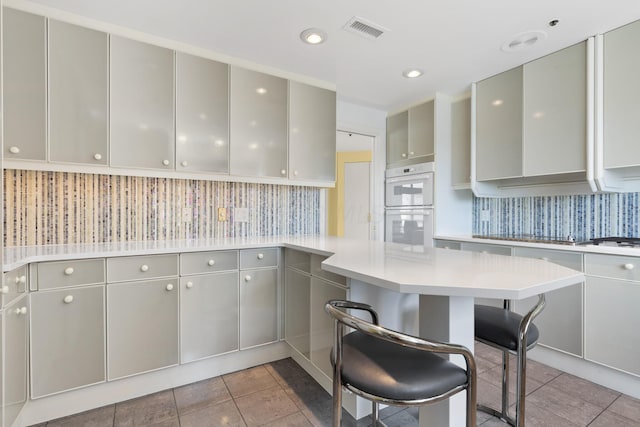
x=222, y=214
x=241, y=215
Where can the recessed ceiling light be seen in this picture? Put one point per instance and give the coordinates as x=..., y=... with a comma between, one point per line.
x=313, y=36
x=524, y=41
x=412, y=73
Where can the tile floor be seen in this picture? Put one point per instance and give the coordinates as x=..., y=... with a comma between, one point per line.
x=281, y=394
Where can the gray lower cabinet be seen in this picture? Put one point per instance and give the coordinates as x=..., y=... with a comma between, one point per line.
x=202, y=114
x=142, y=326
x=560, y=323
x=78, y=94
x=141, y=105
x=258, y=118
x=258, y=307
x=24, y=75
x=15, y=356
x=208, y=315
x=312, y=133
x=67, y=339
x=321, y=325
x=297, y=300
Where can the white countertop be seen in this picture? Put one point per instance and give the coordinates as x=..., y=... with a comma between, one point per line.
x=392, y=266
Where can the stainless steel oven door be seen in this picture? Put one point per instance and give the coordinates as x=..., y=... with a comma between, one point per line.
x=407, y=191
x=409, y=226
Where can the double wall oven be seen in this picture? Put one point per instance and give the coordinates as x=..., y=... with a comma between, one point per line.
x=409, y=205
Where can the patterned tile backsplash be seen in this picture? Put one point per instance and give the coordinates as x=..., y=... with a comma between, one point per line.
x=583, y=216
x=43, y=208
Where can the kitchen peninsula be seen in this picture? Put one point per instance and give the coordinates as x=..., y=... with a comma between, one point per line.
x=448, y=281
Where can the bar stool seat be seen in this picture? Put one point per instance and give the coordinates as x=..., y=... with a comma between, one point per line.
x=501, y=327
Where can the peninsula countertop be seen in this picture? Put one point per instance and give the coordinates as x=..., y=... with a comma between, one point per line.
x=393, y=266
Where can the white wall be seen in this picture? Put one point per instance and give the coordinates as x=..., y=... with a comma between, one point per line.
x=369, y=121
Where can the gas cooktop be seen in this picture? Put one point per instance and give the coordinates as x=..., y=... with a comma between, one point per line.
x=624, y=242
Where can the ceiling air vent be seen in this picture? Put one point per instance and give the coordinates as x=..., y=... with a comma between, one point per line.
x=364, y=28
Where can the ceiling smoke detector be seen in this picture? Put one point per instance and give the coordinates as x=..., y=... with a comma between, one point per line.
x=524, y=41
x=365, y=28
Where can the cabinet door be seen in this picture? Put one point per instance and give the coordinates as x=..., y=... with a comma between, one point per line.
x=258, y=124
x=612, y=322
x=296, y=310
x=461, y=143
x=67, y=339
x=421, y=130
x=202, y=114
x=208, y=315
x=142, y=326
x=560, y=323
x=555, y=112
x=15, y=359
x=312, y=133
x=141, y=104
x=322, y=326
x=397, y=137
x=24, y=85
x=258, y=307
x=621, y=94
x=499, y=126
x=78, y=94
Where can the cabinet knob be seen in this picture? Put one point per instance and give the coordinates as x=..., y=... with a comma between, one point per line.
x=411, y=153
x=184, y=163
x=144, y=268
x=165, y=162
x=21, y=310
x=169, y=287
x=484, y=252
x=211, y=262
x=68, y=299
x=447, y=247
x=404, y=154
x=97, y=156
x=189, y=285
x=295, y=173
x=247, y=278
x=260, y=256
x=283, y=172
x=544, y=258
x=21, y=279
x=68, y=271
x=4, y=289
x=628, y=266
x=14, y=150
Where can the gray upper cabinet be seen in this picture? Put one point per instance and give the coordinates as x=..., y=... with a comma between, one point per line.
x=202, y=114
x=141, y=107
x=258, y=124
x=78, y=94
x=555, y=113
x=621, y=94
x=499, y=126
x=312, y=133
x=410, y=134
x=24, y=85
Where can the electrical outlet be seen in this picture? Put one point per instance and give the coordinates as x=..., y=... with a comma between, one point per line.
x=241, y=215
x=222, y=214
x=485, y=215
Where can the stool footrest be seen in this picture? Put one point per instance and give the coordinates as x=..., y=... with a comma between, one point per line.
x=502, y=417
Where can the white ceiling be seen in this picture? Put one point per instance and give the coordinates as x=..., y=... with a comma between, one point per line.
x=456, y=42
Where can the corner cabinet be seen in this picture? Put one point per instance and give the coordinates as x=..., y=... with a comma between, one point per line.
x=141, y=105
x=312, y=133
x=532, y=127
x=24, y=97
x=258, y=117
x=411, y=135
x=15, y=324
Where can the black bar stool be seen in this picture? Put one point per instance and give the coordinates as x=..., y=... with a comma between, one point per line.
x=386, y=366
x=512, y=334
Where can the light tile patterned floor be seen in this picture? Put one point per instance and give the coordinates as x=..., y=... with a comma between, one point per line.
x=281, y=394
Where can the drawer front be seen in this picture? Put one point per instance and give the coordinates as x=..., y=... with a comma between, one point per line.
x=258, y=258
x=316, y=270
x=486, y=248
x=298, y=260
x=70, y=273
x=447, y=244
x=207, y=262
x=141, y=267
x=567, y=259
x=14, y=283
x=614, y=266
